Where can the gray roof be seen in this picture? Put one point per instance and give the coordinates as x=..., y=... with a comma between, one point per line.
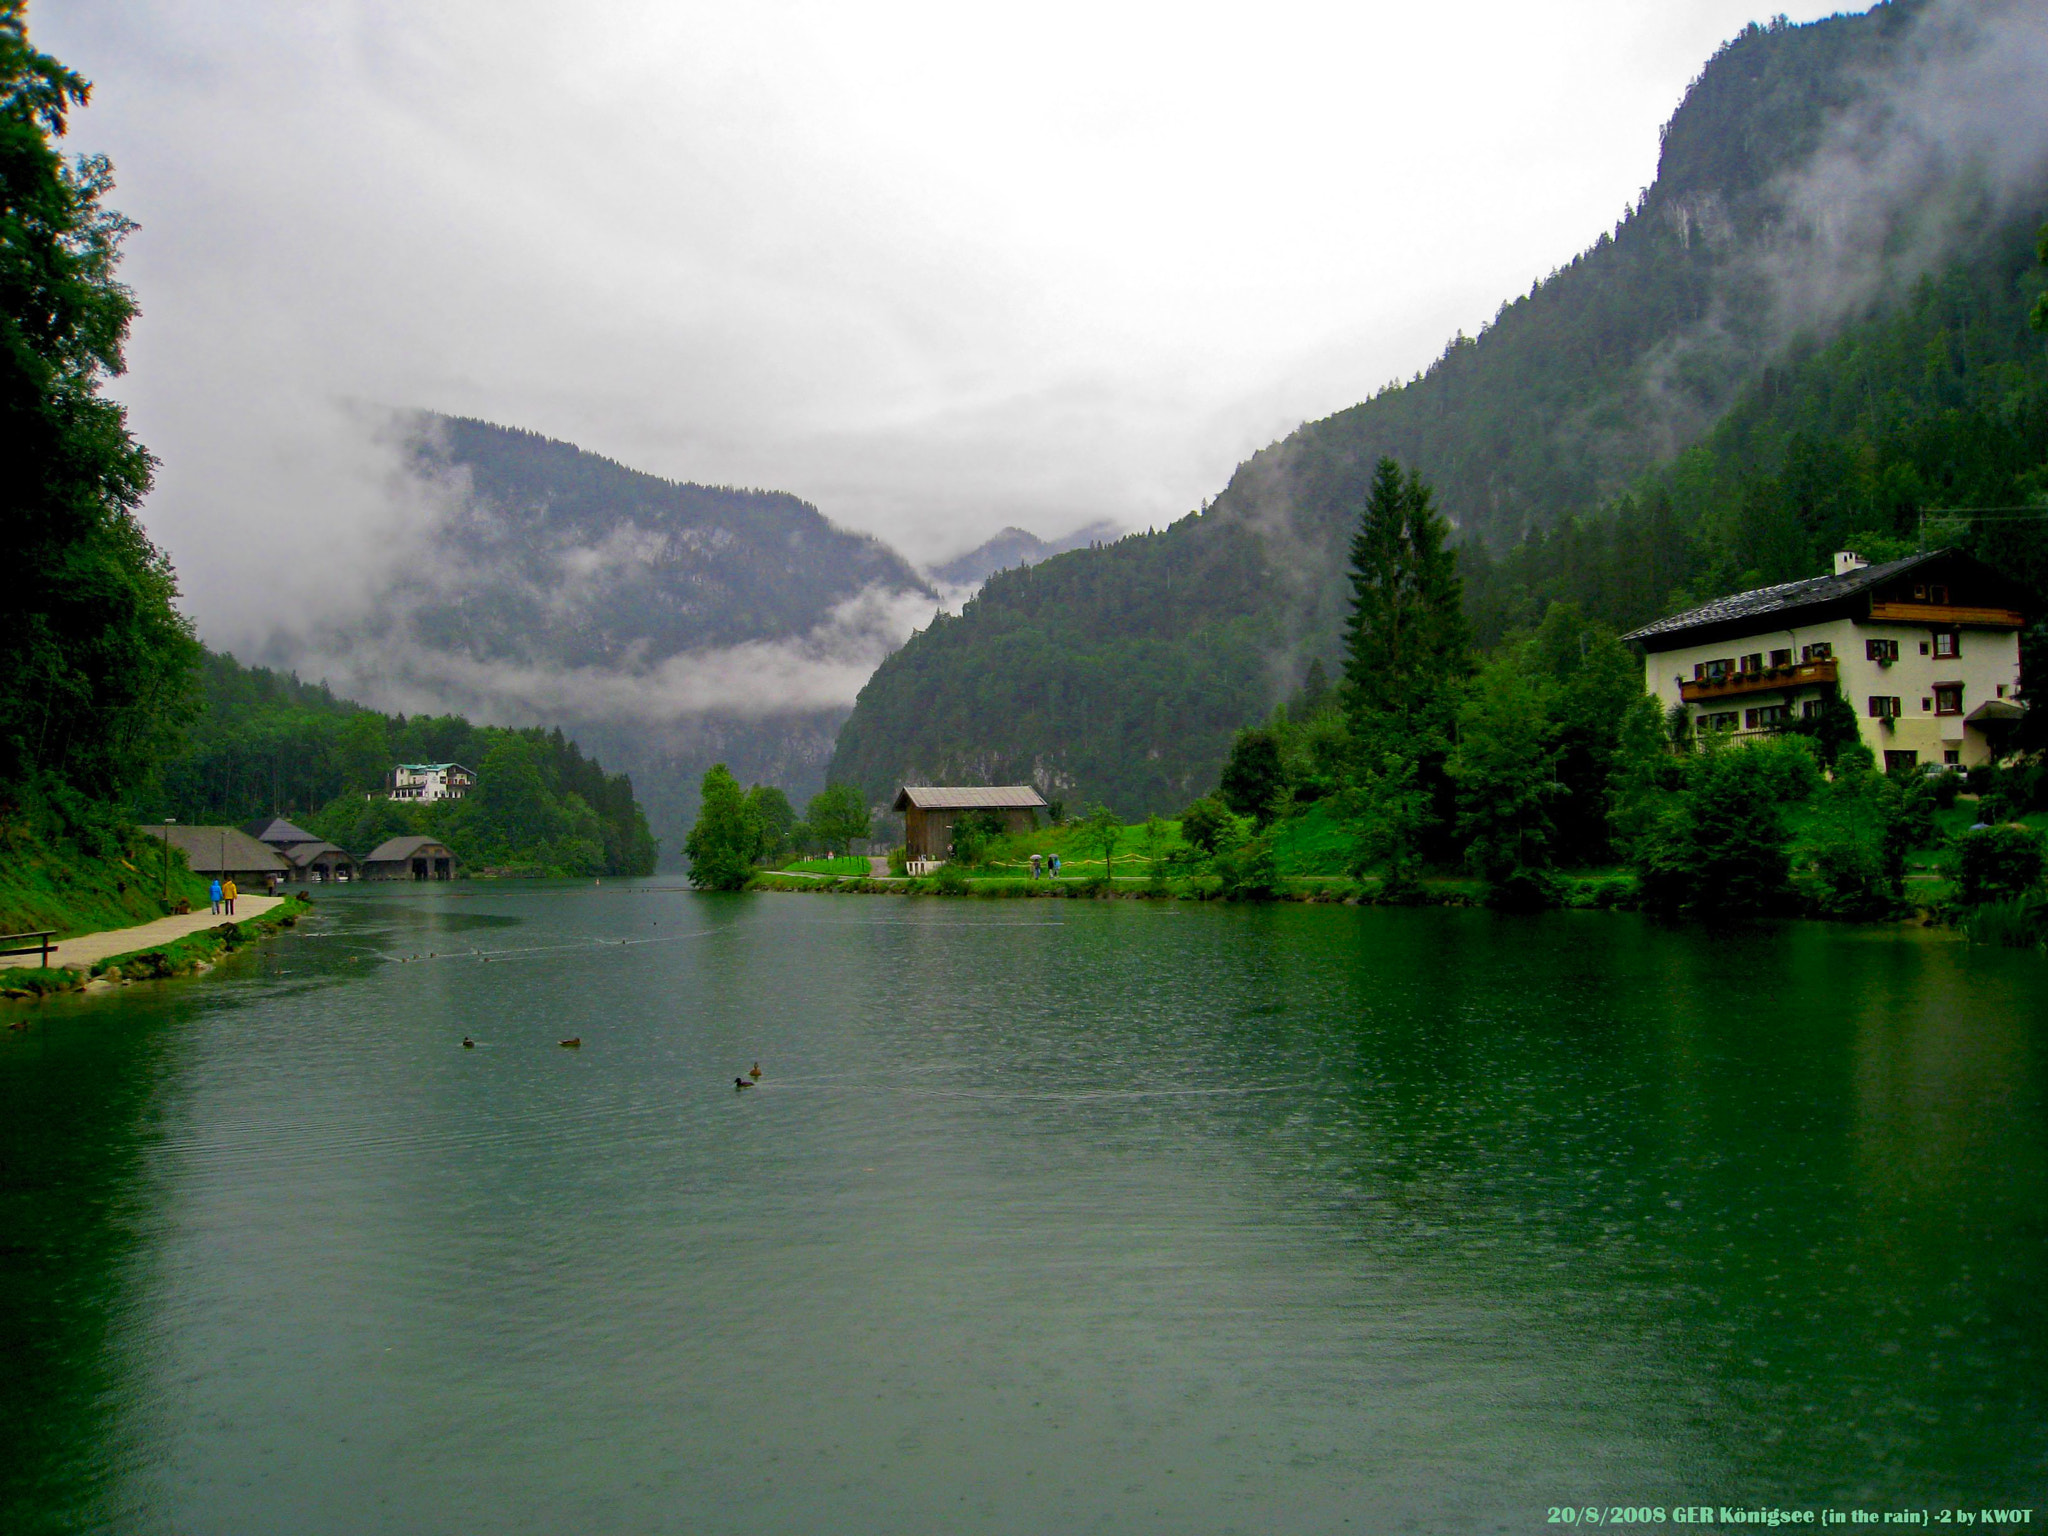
x=275, y=829
x=1787, y=595
x=996, y=797
x=302, y=854
x=213, y=850
x=395, y=848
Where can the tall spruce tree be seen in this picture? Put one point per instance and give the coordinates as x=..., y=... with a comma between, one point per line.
x=95, y=662
x=1405, y=662
x=1405, y=644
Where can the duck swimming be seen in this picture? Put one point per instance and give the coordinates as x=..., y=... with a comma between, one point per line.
x=756, y=1073
x=468, y=1044
x=741, y=1082
x=574, y=1042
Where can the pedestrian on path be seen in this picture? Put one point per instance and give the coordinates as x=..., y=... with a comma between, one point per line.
x=228, y=895
x=1034, y=866
x=215, y=893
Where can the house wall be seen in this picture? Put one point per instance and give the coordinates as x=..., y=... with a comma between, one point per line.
x=929, y=834
x=1988, y=667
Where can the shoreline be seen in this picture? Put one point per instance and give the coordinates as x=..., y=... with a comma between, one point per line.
x=193, y=954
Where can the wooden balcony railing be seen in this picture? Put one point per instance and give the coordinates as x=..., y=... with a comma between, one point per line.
x=1803, y=674
x=1947, y=615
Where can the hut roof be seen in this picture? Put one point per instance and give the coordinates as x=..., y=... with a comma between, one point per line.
x=276, y=830
x=992, y=797
x=391, y=850
x=302, y=854
x=212, y=850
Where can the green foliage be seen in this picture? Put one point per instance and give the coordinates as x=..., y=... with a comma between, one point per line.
x=2021, y=923
x=1249, y=871
x=1721, y=847
x=1100, y=829
x=1391, y=813
x=76, y=866
x=1206, y=824
x=95, y=661
x=721, y=845
x=776, y=819
x=837, y=816
x=1505, y=768
x=1857, y=844
x=1254, y=781
x=1405, y=641
x=267, y=743
x=1155, y=839
x=974, y=834
x=1997, y=863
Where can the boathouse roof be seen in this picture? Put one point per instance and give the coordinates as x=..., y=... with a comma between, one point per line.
x=968, y=797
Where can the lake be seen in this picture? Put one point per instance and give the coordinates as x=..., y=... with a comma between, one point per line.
x=1045, y=1216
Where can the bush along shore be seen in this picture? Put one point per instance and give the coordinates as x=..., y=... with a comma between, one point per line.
x=191, y=955
x=1949, y=867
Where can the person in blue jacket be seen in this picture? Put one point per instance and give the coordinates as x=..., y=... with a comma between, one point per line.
x=215, y=893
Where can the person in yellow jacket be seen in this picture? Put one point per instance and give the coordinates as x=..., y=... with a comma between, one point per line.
x=227, y=892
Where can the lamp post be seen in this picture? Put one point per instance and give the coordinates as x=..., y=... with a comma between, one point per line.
x=167, y=856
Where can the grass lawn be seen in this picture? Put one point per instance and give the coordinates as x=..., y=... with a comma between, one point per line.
x=846, y=864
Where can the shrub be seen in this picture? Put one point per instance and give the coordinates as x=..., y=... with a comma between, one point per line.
x=2021, y=924
x=1998, y=863
x=1205, y=823
x=1249, y=872
x=1720, y=848
x=899, y=861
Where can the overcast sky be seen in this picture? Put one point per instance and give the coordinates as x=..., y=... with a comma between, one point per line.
x=935, y=267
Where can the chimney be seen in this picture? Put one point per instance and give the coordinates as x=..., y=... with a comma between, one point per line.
x=1848, y=560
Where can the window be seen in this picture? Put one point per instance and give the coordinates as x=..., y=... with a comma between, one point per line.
x=1823, y=651
x=1948, y=698
x=1712, y=671
x=1883, y=652
x=1810, y=710
x=1952, y=757
x=1882, y=708
x=1766, y=717
x=1926, y=705
x=1753, y=663
x=1724, y=721
x=1923, y=647
x=1781, y=658
x=1930, y=592
x=1901, y=760
x=1948, y=644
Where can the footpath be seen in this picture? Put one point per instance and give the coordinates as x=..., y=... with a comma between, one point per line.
x=88, y=949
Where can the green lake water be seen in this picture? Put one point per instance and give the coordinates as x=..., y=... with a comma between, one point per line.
x=1045, y=1217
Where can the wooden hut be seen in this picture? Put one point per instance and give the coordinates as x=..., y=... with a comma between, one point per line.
x=930, y=810
x=313, y=859
x=409, y=858
x=218, y=853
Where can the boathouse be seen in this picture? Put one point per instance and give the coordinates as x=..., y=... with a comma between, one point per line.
x=313, y=859
x=220, y=853
x=930, y=810
x=409, y=858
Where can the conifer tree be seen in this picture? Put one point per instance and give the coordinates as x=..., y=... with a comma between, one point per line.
x=1405, y=661
x=1405, y=642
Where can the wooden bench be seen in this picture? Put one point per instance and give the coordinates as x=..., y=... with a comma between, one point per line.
x=40, y=941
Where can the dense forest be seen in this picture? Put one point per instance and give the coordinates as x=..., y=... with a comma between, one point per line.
x=265, y=743
x=1639, y=430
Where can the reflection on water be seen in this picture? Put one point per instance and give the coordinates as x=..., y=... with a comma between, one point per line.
x=1116, y=1216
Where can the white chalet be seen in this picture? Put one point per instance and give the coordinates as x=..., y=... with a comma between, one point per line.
x=424, y=783
x=1925, y=650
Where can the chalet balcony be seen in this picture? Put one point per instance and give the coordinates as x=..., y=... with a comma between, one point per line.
x=1731, y=685
x=1947, y=615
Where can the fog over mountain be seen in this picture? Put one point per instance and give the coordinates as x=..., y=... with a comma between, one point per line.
x=934, y=271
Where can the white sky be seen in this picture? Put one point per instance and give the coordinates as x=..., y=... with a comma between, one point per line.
x=935, y=267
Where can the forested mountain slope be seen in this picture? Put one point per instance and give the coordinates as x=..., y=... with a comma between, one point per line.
x=265, y=743
x=1120, y=672
x=666, y=625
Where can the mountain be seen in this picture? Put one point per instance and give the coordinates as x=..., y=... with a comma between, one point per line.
x=1812, y=182
x=1011, y=548
x=666, y=625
